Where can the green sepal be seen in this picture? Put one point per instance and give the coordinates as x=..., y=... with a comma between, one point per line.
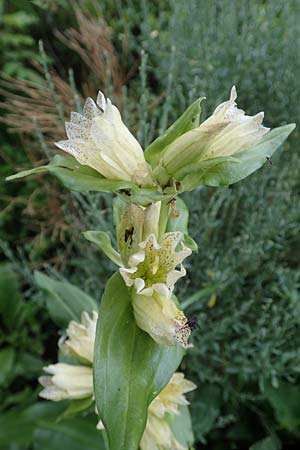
x=118, y=208
x=187, y=121
x=65, y=302
x=181, y=426
x=102, y=240
x=228, y=170
x=75, y=407
x=130, y=369
x=180, y=223
x=77, y=177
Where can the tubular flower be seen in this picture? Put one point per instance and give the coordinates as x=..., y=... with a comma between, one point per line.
x=150, y=264
x=70, y=381
x=228, y=131
x=99, y=139
x=67, y=381
x=80, y=338
x=159, y=316
x=158, y=434
x=151, y=269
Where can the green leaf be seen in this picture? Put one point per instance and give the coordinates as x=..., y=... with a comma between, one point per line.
x=17, y=425
x=207, y=409
x=10, y=296
x=75, y=407
x=130, y=369
x=187, y=121
x=181, y=425
x=102, y=240
x=73, y=434
x=77, y=177
x=268, y=443
x=65, y=301
x=285, y=401
x=7, y=360
x=228, y=170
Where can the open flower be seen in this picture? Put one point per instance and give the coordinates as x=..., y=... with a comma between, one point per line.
x=66, y=381
x=99, y=139
x=228, y=131
x=80, y=338
x=158, y=434
x=159, y=316
x=224, y=149
x=151, y=269
x=150, y=263
x=172, y=396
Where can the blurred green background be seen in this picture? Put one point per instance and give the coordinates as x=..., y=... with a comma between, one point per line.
x=153, y=58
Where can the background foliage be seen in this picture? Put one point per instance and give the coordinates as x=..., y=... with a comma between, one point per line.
x=153, y=59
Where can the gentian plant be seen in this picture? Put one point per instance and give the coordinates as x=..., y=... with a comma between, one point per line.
x=125, y=359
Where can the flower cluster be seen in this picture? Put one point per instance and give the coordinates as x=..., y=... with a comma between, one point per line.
x=75, y=382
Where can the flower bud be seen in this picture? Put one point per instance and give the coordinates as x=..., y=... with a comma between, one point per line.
x=67, y=381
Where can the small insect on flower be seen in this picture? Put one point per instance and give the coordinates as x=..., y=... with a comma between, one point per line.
x=128, y=234
x=192, y=322
x=269, y=160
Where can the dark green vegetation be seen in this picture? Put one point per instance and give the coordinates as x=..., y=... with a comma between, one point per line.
x=242, y=286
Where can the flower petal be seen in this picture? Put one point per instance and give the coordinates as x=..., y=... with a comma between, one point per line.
x=161, y=319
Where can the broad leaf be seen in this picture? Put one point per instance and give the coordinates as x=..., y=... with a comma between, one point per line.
x=285, y=400
x=187, y=121
x=207, y=409
x=77, y=177
x=73, y=434
x=268, y=443
x=65, y=301
x=17, y=425
x=130, y=369
x=102, y=240
x=228, y=170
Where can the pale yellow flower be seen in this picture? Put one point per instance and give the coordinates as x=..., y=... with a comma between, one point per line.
x=152, y=265
x=159, y=316
x=80, y=338
x=70, y=381
x=172, y=395
x=228, y=131
x=98, y=138
x=75, y=382
x=66, y=381
x=158, y=434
